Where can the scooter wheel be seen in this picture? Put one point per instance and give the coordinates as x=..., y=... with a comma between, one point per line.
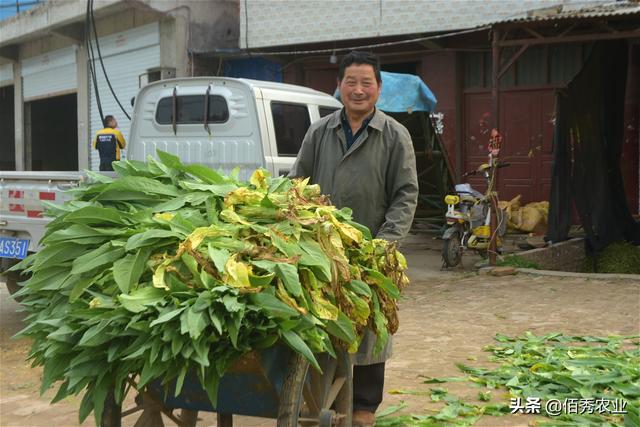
x=452, y=250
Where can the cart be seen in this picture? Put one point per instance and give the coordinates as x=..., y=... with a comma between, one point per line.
x=273, y=383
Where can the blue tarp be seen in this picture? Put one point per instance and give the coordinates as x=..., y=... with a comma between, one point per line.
x=403, y=93
x=253, y=68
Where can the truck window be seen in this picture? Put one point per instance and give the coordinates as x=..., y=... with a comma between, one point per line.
x=290, y=122
x=190, y=109
x=325, y=111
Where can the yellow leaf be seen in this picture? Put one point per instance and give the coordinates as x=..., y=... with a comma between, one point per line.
x=227, y=215
x=237, y=273
x=284, y=296
x=199, y=234
x=158, y=275
x=259, y=178
x=166, y=216
x=322, y=306
x=243, y=196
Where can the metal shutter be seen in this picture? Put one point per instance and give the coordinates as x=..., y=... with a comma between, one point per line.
x=126, y=56
x=50, y=74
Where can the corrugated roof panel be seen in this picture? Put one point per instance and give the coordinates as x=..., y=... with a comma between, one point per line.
x=569, y=11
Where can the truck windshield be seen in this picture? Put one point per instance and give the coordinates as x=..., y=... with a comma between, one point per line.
x=190, y=110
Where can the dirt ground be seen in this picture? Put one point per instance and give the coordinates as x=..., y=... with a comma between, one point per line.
x=446, y=317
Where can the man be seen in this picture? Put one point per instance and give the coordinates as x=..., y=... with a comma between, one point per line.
x=109, y=141
x=364, y=159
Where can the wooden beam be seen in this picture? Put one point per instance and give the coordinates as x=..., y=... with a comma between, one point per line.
x=430, y=44
x=512, y=60
x=533, y=32
x=571, y=39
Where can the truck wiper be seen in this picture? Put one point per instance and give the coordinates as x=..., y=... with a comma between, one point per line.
x=174, y=111
x=206, y=110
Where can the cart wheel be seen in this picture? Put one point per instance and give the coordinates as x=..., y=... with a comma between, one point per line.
x=111, y=414
x=150, y=413
x=291, y=395
x=330, y=393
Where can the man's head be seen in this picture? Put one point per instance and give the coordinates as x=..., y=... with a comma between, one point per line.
x=360, y=82
x=110, y=122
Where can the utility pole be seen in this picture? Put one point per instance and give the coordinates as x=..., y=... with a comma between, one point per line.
x=495, y=101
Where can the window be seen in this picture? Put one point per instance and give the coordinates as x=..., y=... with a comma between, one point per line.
x=325, y=111
x=190, y=110
x=290, y=122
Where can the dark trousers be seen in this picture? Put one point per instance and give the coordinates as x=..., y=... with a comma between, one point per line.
x=368, y=383
x=105, y=165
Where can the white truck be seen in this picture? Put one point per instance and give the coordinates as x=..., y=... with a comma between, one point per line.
x=220, y=122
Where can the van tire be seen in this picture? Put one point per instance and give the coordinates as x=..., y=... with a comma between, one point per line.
x=11, y=278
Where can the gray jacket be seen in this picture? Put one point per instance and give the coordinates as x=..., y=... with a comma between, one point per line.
x=376, y=178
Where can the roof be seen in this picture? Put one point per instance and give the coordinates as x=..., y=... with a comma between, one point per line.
x=575, y=11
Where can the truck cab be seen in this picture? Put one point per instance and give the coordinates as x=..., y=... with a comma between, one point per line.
x=225, y=123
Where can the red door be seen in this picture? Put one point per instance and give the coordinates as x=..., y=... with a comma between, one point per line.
x=527, y=120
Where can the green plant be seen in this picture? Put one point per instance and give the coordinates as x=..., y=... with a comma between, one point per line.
x=516, y=261
x=619, y=257
x=171, y=268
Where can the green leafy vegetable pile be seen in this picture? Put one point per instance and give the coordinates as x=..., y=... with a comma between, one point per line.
x=171, y=268
x=552, y=366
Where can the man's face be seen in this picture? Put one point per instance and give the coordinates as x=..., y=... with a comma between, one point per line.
x=359, y=89
x=113, y=123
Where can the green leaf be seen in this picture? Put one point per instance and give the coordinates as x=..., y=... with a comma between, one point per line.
x=145, y=185
x=137, y=301
x=296, y=343
x=127, y=271
x=166, y=316
x=169, y=160
x=342, y=328
x=150, y=237
x=196, y=322
x=359, y=287
x=94, y=335
x=391, y=409
x=105, y=254
x=96, y=215
x=55, y=255
x=273, y=306
x=205, y=174
x=289, y=275
x=80, y=284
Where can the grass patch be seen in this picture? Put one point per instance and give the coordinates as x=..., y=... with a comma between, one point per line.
x=617, y=258
x=517, y=262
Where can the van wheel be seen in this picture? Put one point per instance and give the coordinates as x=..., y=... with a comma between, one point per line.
x=12, y=278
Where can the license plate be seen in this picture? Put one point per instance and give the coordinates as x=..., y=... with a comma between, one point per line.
x=13, y=248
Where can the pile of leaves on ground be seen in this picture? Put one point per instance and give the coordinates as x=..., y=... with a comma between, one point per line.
x=171, y=268
x=583, y=372
x=616, y=258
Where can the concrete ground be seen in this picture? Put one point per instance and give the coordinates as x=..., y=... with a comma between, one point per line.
x=446, y=317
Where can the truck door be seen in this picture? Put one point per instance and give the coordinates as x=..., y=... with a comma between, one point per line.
x=287, y=123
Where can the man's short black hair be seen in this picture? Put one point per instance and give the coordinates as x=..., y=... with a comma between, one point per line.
x=107, y=120
x=359, y=58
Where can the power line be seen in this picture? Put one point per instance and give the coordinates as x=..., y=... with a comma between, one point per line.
x=104, y=71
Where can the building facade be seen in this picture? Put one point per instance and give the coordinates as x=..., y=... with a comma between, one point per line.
x=51, y=78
